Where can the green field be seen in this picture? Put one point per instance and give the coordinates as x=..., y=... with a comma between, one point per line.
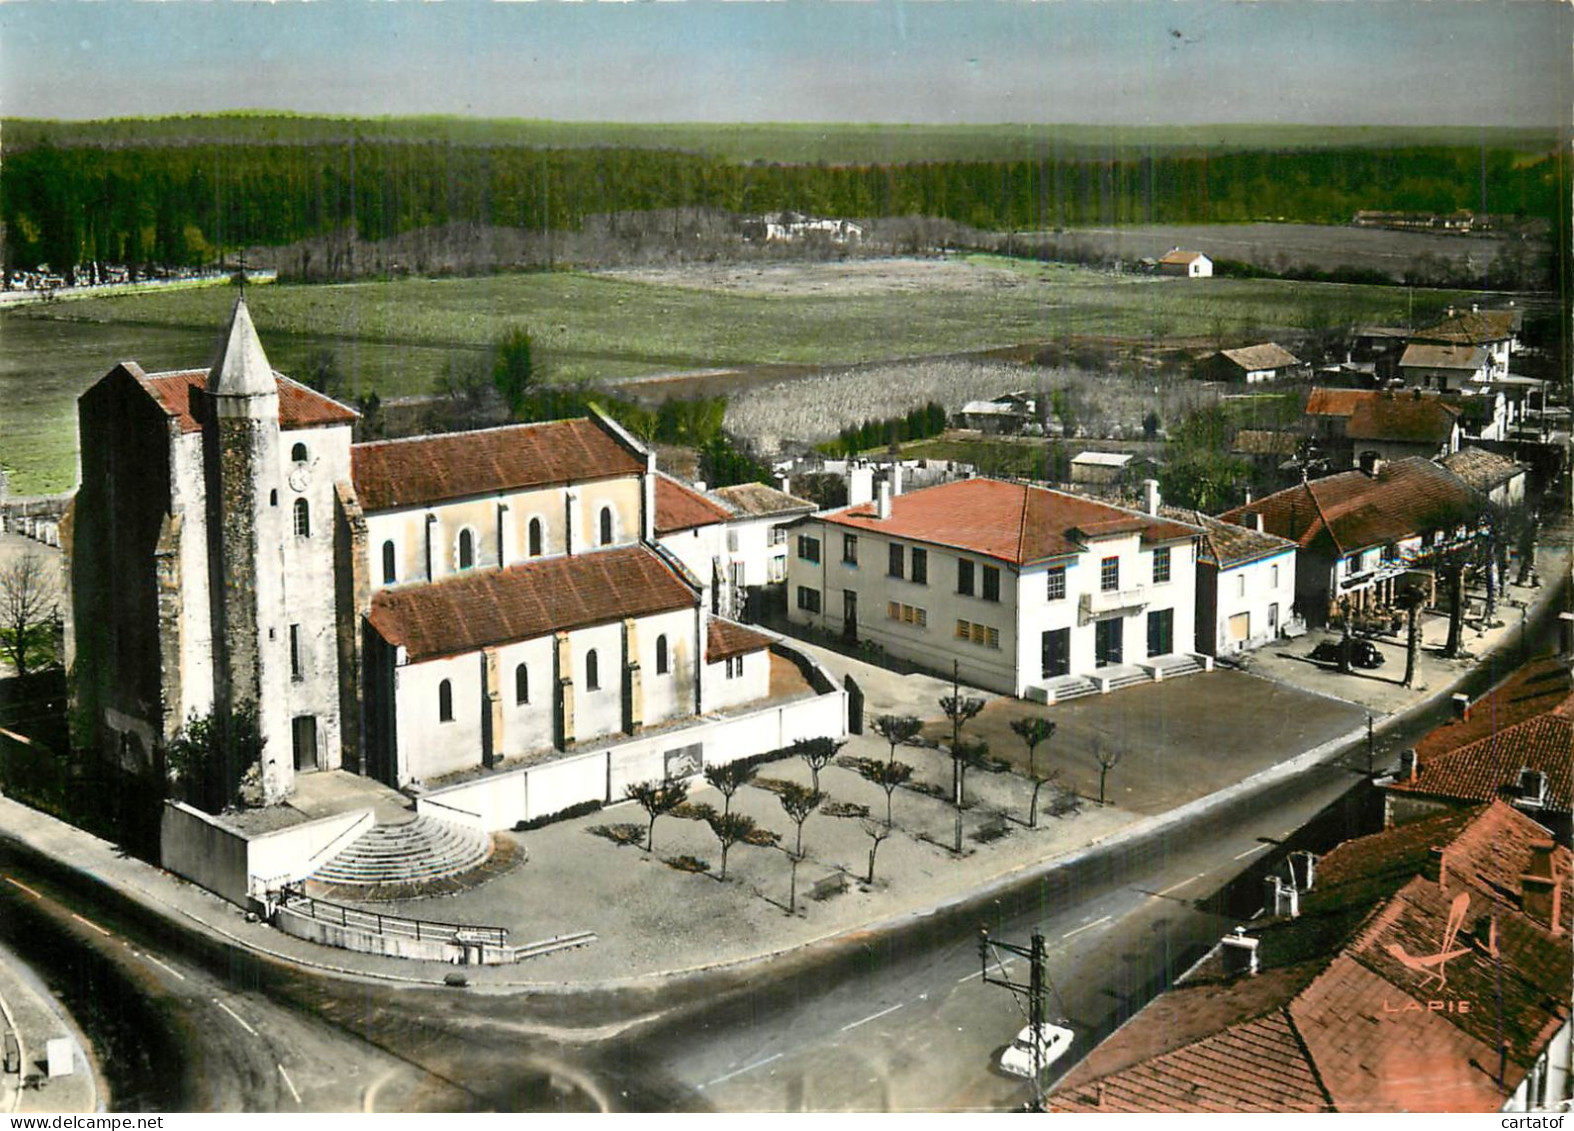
x=396, y=337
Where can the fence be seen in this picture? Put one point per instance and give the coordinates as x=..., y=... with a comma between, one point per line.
x=374, y=922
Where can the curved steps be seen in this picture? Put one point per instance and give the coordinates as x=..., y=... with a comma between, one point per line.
x=410, y=852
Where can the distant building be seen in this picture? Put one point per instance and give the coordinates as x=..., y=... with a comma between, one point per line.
x=1186, y=264
x=757, y=543
x=1495, y=331
x=1498, y=477
x=1255, y=365
x=1009, y=413
x=1393, y=423
x=1426, y=365
x=1100, y=469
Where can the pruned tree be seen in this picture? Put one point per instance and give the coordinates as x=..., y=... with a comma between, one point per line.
x=877, y=834
x=1033, y=731
x=897, y=730
x=29, y=607
x=960, y=710
x=799, y=803
x=730, y=828
x=728, y=779
x=1107, y=757
x=888, y=776
x=965, y=756
x=1412, y=599
x=656, y=798
x=818, y=753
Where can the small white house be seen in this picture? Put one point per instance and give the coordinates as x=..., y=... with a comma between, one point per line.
x=1187, y=264
x=1245, y=583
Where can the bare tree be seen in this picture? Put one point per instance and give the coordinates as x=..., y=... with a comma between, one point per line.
x=877, y=834
x=960, y=709
x=29, y=606
x=656, y=798
x=799, y=803
x=730, y=828
x=728, y=779
x=898, y=730
x=888, y=776
x=818, y=753
x=1033, y=730
x=965, y=756
x=1108, y=757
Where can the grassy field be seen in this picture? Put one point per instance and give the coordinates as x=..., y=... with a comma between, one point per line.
x=396, y=337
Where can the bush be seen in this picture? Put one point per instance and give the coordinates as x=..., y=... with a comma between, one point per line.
x=569, y=813
x=687, y=864
x=620, y=834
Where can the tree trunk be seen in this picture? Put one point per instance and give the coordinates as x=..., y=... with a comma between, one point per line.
x=650, y=837
x=1456, y=611
x=792, y=891
x=1032, y=812
x=873, y=848
x=1412, y=644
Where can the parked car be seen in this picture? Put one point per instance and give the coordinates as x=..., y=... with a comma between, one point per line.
x=1054, y=1040
x=1363, y=653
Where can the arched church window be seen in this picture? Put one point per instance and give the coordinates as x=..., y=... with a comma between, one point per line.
x=299, y=454
x=466, y=549
x=445, y=701
x=535, y=538
x=521, y=684
x=592, y=671
x=661, y=655
x=606, y=526
x=390, y=573
x=303, y=518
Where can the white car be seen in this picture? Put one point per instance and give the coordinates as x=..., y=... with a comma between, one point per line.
x=1054, y=1040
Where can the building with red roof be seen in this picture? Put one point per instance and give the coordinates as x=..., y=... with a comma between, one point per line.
x=1426, y=968
x=1023, y=587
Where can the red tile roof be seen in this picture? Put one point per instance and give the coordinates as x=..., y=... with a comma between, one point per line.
x=1334, y=402
x=431, y=469
x=1353, y=510
x=725, y=639
x=485, y=608
x=1008, y=521
x=1476, y=327
x=1179, y=256
x=1535, y=689
x=1337, y=1013
x=682, y=508
x=1408, y=417
x=1480, y=468
x=1226, y=544
x=299, y=407
x=1489, y=767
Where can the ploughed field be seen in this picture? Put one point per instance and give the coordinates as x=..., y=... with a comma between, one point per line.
x=795, y=319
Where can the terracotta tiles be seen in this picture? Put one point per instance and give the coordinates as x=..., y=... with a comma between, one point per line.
x=523, y=602
x=725, y=639
x=299, y=407
x=682, y=508
x=1402, y=418
x=430, y=469
x=1533, y=690
x=1227, y=544
x=1008, y=521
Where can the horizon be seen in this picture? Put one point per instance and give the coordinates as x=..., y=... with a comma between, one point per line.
x=1440, y=63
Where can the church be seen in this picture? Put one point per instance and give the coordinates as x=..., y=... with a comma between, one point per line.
x=441, y=611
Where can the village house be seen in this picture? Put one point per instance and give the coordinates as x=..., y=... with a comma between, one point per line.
x=1245, y=584
x=1375, y=352
x=1516, y=744
x=1031, y=592
x=1428, y=365
x=1500, y=479
x=1254, y=365
x=1494, y=331
x=757, y=544
x=1423, y=968
x=415, y=611
x=1007, y=414
x=1100, y=469
x=1186, y=264
x=1360, y=532
x=1346, y=423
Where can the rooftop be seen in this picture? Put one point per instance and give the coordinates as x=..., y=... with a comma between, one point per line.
x=1012, y=522
x=725, y=639
x=1179, y=256
x=756, y=499
x=523, y=602
x=680, y=507
x=431, y=469
x=1482, y=469
x=1262, y=442
x=1408, y=416
x=299, y=407
x=1474, y=327
x=1226, y=544
x=1353, y=510
x=1269, y=355
x=1419, y=355
x=1102, y=459
x=1535, y=689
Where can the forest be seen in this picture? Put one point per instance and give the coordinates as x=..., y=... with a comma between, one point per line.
x=71, y=195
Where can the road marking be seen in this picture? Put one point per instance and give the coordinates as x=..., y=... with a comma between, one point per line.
x=24, y=887
x=290, y=1084
x=1249, y=851
x=741, y=1071
x=1000, y=968
x=241, y=1021
x=165, y=967
x=90, y=923
x=1085, y=927
x=1183, y=883
x=874, y=1017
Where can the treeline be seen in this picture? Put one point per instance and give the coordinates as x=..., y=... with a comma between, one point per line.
x=919, y=424
x=184, y=205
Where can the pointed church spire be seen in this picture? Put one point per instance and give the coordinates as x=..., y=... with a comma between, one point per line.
x=242, y=369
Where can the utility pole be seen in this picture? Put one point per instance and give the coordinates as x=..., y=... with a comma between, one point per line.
x=1035, y=989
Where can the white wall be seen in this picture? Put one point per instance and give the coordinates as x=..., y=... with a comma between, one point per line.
x=427, y=746
x=1250, y=589
x=188, y=495
x=751, y=681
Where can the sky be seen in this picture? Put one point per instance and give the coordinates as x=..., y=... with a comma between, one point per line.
x=1118, y=62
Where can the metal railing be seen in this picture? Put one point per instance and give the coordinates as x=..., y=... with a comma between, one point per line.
x=352, y=918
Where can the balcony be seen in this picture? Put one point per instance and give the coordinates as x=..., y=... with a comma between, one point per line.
x=1104, y=602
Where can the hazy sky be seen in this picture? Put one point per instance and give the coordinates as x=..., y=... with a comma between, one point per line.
x=1446, y=62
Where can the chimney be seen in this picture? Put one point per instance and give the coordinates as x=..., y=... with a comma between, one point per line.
x=1371, y=463
x=896, y=477
x=1150, y=496
x=1256, y=521
x=1475, y=308
x=1461, y=703
x=860, y=484
x=1437, y=866
x=1409, y=766
x=699, y=485
x=1248, y=495
x=1238, y=953
x=1541, y=897
x=882, y=506
x=1280, y=898
x=784, y=484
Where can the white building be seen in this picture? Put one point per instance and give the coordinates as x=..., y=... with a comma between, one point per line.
x=1023, y=587
x=1187, y=264
x=1245, y=583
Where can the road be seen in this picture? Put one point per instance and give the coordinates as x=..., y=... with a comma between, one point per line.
x=172, y=1035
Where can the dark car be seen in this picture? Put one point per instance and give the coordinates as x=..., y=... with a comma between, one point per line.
x=1363, y=653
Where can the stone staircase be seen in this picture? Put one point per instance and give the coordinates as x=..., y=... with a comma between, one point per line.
x=1121, y=675
x=408, y=853
x=1184, y=664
